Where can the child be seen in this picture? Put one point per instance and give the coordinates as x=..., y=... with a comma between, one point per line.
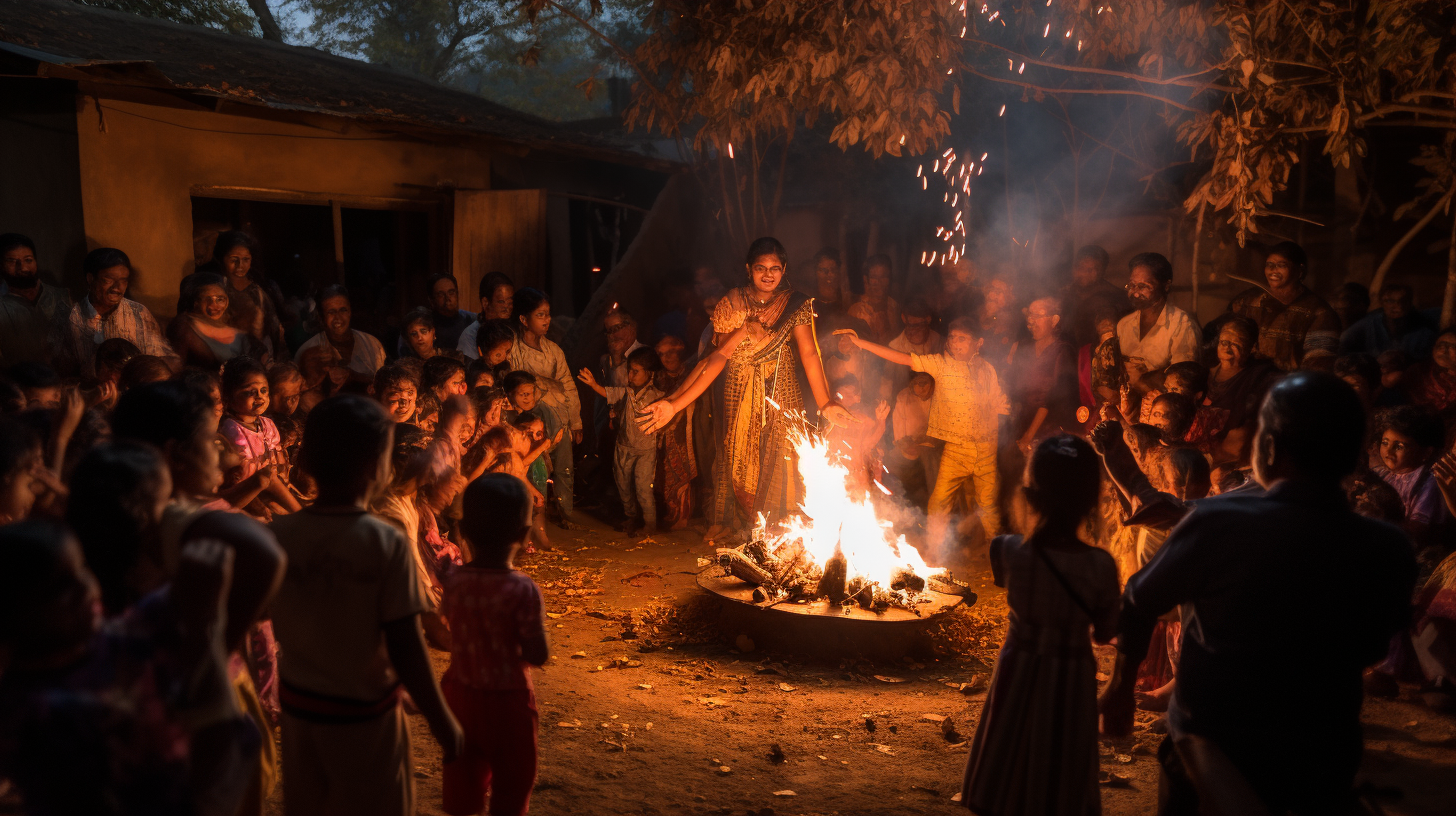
x=858, y=444
x=1035, y=749
x=635, y=459
x=253, y=435
x=347, y=619
x=1409, y=439
x=964, y=413
x=396, y=388
x=444, y=377
x=427, y=412
x=404, y=506
x=512, y=451
x=479, y=374
x=287, y=389
x=533, y=352
x=493, y=342
x=915, y=460
x=495, y=614
x=129, y=714
x=534, y=427
x=520, y=389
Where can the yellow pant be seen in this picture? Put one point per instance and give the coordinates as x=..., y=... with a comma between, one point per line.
x=967, y=464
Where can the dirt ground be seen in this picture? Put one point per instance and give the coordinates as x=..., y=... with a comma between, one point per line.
x=646, y=709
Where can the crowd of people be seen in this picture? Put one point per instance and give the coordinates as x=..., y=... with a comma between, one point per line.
x=259, y=516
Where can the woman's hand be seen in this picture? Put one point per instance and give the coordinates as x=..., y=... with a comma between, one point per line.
x=655, y=417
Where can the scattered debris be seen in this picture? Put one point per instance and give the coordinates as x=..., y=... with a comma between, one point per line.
x=948, y=730
x=1114, y=780
x=869, y=724
x=884, y=749
x=884, y=678
x=785, y=793
x=776, y=754
x=725, y=770
x=572, y=724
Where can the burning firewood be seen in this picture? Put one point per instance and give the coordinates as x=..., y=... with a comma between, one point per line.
x=742, y=567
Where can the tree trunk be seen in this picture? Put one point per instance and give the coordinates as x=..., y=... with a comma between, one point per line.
x=266, y=20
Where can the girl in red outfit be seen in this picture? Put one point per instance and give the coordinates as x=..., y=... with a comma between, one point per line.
x=495, y=616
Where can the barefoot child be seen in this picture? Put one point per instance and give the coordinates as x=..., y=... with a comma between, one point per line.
x=1035, y=749
x=348, y=623
x=635, y=459
x=495, y=615
x=964, y=412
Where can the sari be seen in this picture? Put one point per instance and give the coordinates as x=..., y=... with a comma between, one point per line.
x=758, y=470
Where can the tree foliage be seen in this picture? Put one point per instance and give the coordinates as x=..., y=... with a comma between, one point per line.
x=432, y=38
x=735, y=70
x=229, y=15
x=1244, y=86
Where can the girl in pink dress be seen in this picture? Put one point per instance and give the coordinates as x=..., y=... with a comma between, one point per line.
x=254, y=437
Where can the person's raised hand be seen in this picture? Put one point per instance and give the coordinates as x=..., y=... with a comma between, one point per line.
x=586, y=376
x=839, y=415
x=882, y=410
x=655, y=417
x=850, y=333
x=1102, y=436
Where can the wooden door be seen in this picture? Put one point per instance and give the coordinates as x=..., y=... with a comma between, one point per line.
x=499, y=231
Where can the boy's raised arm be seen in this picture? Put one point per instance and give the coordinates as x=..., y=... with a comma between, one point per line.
x=883, y=352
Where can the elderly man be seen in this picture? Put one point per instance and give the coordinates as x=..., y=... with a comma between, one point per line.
x=1297, y=329
x=1246, y=568
x=106, y=312
x=1396, y=324
x=31, y=310
x=875, y=307
x=1156, y=334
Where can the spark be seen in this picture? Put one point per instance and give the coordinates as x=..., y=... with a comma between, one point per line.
x=993, y=17
x=902, y=138
x=924, y=184
x=936, y=168
x=775, y=405
x=948, y=71
x=1047, y=30
x=614, y=304
x=954, y=200
x=1003, y=111
x=1069, y=33
x=948, y=151
x=730, y=150
x=963, y=32
x=1010, y=64
x=984, y=155
x=980, y=169
x=919, y=170
x=1022, y=68
x=882, y=488
x=1079, y=45
x=922, y=258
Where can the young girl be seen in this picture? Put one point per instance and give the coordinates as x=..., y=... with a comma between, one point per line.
x=253, y=435
x=1035, y=749
x=1409, y=439
x=496, y=615
x=402, y=505
x=534, y=353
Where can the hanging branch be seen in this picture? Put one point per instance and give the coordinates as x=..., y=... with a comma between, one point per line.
x=1379, y=279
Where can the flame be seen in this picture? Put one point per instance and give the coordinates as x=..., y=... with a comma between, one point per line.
x=837, y=514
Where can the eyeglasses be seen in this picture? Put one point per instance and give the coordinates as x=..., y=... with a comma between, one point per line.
x=759, y=269
x=1139, y=287
x=614, y=329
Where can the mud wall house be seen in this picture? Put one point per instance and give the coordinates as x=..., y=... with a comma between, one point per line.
x=153, y=136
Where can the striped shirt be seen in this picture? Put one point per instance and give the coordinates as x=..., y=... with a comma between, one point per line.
x=129, y=320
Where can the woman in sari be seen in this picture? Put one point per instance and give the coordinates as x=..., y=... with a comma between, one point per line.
x=757, y=329
x=1236, y=388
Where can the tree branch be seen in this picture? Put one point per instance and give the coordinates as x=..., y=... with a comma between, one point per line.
x=1099, y=91
x=620, y=51
x=1379, y=279
x=1183, y=80
x=266, y=20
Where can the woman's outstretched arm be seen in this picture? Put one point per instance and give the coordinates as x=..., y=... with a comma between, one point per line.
x=656, y=416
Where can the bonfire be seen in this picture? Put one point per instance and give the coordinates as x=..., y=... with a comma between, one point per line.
x=839, y=546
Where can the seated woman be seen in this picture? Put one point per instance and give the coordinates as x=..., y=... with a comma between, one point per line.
x=1237, y=385
x=200, y=334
